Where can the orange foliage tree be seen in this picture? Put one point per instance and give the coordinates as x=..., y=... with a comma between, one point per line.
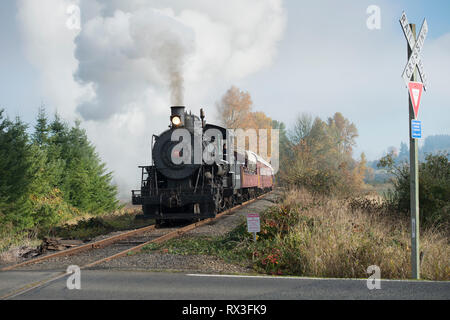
x=235, y=112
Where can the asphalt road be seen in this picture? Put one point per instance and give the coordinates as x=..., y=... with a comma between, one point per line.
x=123, y=285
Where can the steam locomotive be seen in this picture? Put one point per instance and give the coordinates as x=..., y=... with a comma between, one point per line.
x=194, y=175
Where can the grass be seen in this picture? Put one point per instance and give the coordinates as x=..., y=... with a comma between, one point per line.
x=329, y=237
x=231, y=247
x=92, y=226
x=325, y=237
x=9, y=238
x=378, y=188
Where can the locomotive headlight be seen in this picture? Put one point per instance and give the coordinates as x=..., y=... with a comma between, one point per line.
x=176, y=121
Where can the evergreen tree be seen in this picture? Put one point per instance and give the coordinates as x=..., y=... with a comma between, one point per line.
x=49, y=166
x=16, y=174
x=41, y=129
x=51, y=175
x=86, y=184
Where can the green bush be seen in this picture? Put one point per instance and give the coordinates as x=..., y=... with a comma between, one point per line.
x=434, y=188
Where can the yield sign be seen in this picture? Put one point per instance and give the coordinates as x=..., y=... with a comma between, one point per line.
x=415, y=92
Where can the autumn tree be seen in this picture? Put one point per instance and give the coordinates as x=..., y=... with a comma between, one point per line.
x=343, y=131
x=302, y=128
x=234, y=108
x=322, y=156
x=235, y=112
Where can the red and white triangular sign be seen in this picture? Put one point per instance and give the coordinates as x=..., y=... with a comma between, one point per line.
x=415, y=92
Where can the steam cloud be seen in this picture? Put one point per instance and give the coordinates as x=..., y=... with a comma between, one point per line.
x=132, y=59
x=125, y=54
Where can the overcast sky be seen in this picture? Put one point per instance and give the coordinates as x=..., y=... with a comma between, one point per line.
x=293, y=56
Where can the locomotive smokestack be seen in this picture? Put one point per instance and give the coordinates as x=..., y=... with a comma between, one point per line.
x=177, y=116
x=202, y=116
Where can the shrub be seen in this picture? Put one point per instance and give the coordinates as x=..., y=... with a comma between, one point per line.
x=434, y=188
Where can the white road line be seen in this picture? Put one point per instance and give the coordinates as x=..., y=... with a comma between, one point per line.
x=305, y=278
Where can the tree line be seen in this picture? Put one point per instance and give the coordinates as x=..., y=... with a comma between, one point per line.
x=50, y=175
x=316, y=154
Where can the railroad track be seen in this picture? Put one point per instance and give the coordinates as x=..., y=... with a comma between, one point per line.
x=130, y=242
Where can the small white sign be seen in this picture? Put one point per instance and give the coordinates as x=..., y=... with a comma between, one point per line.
x=253, y=222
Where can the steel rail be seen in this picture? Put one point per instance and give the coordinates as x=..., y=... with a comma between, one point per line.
x=125, y=235
x=172, y=234
x=84, y=247
x=135, y=249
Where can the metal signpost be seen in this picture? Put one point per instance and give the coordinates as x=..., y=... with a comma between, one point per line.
x=253, y=224
x=415, y=45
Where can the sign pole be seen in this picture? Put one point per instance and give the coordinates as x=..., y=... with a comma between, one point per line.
x=414, y=180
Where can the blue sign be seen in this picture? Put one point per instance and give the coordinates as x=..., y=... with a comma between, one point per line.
x=416, y=129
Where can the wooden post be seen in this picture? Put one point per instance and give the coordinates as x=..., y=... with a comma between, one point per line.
x=414, y=181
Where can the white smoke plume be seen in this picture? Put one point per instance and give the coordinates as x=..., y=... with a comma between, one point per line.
x=125, y=54
x=132, y=59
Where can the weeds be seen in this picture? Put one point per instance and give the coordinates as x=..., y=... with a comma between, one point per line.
x=320, y=236
x=232, y=247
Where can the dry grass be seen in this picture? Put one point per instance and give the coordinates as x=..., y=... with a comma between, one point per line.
x=334, y=239
x=13, y=244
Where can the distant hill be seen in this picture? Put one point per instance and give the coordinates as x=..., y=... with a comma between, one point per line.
x=435, y=144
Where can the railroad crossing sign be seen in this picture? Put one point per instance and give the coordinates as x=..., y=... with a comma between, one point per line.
x=415, y=91
x=416, y=46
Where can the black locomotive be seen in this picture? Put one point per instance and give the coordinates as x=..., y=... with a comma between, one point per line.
x=192, y=175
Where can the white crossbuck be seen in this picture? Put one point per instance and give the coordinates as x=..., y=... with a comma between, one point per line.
x=416, y=47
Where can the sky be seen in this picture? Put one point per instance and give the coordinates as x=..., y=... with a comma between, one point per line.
x=119, y=70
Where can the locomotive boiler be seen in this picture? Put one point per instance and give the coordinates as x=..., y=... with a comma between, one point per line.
x=196, y=172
